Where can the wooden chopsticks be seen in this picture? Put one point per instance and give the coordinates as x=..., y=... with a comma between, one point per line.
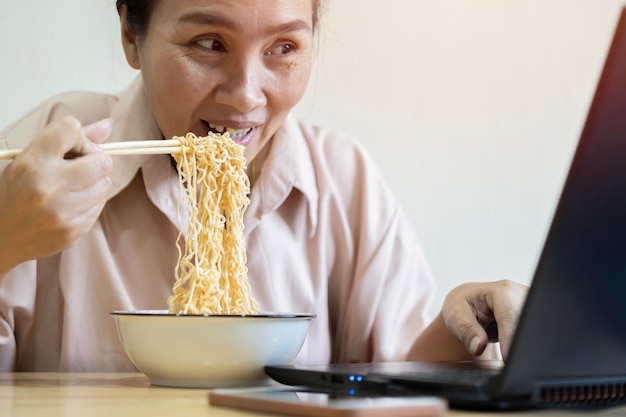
x=140, y=147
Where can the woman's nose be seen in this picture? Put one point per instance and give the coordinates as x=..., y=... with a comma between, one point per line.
x=242, y=86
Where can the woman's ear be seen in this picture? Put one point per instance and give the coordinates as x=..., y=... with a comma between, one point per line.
x=129, y=40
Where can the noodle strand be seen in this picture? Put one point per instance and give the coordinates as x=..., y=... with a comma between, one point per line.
x=211, y=275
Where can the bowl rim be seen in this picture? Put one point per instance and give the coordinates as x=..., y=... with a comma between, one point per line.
x=165, y=313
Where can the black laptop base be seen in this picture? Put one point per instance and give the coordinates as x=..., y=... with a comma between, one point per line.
x=373, y=386
x=349, y=381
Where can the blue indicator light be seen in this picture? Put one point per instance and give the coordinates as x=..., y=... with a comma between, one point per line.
x=351, y=392
x=351, y=378
x=359, y=378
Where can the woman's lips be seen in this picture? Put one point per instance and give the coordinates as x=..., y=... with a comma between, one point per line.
x=245, y=137
x=240, y=136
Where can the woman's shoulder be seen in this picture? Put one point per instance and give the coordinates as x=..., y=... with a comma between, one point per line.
x=343, y=163
x=348, y=178
x=86, y=106
x=327, y=136
x=335, y=146
x=347, y=158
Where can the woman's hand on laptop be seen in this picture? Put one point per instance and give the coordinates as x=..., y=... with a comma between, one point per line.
x=478, y=313
x=472, y=315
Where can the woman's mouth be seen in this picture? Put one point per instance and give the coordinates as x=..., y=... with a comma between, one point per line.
x=240, y=136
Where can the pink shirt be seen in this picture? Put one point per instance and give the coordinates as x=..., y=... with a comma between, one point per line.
x=323, y=232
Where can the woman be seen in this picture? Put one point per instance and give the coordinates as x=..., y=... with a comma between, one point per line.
x=83, y=233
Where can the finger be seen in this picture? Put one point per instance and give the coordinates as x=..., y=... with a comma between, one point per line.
x=475, y=338
x=492, y=331
x=89, y=137
x=72, y=214
x=99, y=131
x=83, y=221
x=460, y=315
x=506, y=330
x=80, y=173
x=61, y=137
x=95, y=194
x=508, y=302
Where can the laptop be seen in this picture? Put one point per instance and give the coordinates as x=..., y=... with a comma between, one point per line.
x=569, y=349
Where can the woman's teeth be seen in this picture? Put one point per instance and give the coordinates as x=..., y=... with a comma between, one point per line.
x=234, y=133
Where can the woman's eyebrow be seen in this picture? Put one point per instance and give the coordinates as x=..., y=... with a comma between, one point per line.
x=206, y=19
x=216, y=20
x=293, y=26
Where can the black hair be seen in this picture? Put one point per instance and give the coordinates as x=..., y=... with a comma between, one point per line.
x=138, y=13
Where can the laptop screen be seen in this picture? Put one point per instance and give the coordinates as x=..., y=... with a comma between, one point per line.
x=574, y=320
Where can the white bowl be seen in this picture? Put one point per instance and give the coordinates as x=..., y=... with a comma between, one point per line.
x=209, y=351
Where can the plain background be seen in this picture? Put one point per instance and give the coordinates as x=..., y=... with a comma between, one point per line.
x=472, y=108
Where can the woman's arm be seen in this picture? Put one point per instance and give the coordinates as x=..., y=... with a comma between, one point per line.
x=459, y=331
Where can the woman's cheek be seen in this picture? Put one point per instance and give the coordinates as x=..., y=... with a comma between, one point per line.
x=292, y=82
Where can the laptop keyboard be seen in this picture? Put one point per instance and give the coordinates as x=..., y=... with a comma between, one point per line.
x=454, y=376
x=461, y=376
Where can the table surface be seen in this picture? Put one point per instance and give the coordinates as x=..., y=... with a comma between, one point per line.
x=130, y=394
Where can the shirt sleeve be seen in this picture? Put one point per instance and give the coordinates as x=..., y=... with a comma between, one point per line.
x=19, y=286
x=389, y=299
x=17, y=303
x=383, y=295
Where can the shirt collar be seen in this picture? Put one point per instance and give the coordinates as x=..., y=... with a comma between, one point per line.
x=288, y=166
x=132, y=120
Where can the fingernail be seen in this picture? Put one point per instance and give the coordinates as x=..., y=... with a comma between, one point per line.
x=101, y=124
x=474, y=343
x=99, y=130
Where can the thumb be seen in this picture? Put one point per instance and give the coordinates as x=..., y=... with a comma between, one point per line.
x=461, y=321
x=476, y=340
x=99, y=131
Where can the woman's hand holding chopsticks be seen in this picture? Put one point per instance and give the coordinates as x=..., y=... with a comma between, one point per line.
x=47, y=200
x=140, y=147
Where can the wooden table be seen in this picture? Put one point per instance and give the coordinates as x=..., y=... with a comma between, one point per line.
x=130, y=394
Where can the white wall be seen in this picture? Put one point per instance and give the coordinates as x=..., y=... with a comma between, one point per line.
x=471, y=107
x=48, y=47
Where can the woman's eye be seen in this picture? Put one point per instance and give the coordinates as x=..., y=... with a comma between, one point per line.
x=282, y=49
x=211, y=44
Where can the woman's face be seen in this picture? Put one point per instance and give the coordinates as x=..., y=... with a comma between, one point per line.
x=236, y=65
